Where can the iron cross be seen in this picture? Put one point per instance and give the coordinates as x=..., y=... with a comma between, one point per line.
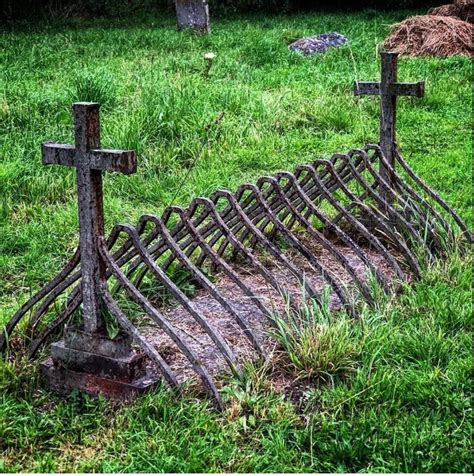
x=89, y=161
x=388, y=89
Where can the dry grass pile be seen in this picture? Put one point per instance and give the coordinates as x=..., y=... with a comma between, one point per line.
x=431, y=35
x=462, y=9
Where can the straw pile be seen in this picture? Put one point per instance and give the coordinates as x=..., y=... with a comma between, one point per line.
x=462, y=9
x=431, y=35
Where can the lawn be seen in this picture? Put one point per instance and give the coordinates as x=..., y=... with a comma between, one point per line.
x=405, y=408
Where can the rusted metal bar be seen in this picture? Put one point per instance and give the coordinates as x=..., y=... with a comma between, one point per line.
x=431, y=193
x=149, y=350
x=246, y=252
x=269, y=246
x=411, y=202
x=291, y=238
x=353, y=220
x=398, y=242
x=233, y=221
x=163, y=323
x=13, y=322
x=216, y=259
x=388, y=206
x=326, y=244
x=202, y=280
x=340, y=234
x=177, y=293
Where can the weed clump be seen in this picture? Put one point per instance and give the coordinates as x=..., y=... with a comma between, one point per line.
x=317, y=345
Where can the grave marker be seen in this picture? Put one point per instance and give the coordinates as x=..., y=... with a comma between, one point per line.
x=193, y=14
x=90, y=161
x=388, y=89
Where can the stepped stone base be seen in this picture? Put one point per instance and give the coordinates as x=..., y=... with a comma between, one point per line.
x=95, y=364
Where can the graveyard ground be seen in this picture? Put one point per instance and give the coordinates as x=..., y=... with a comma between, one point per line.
x=405, y=407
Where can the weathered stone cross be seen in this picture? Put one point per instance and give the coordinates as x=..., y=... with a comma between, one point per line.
x=388, y=89
x=89, y=161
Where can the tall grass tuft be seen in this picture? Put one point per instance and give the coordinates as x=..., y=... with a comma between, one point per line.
x=97, y=86
x=317, y=345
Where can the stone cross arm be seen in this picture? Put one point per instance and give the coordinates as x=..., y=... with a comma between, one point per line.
x=123, y=161
x=397, y=89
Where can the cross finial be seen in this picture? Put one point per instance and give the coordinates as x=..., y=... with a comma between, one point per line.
x=89, y=161
x=388, y=89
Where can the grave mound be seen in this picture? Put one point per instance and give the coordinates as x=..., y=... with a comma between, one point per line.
x=197, y=291
x=431, y=35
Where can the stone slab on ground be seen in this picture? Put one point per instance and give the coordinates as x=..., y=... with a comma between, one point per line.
x=311, y=45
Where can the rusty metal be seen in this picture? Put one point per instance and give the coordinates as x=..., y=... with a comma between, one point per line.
x=361, y=200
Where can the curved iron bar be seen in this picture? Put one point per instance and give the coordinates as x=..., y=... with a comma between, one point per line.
x=217, y=260
x=434, y=195
x=52, y=326
x=74, y=301
x=248, y=254
x=179, y=233
x=292, y=240
x=324, y=242
x=340, y=234
x=378, y=154
x=270, y=246
x=312, y=190
x=381, y=223
x=352, y=219
x=414, y=197
x=278, y=207
x=164, y=325
x=35, y=319
x=255, y=213
x=412, y=201
x=202, y=280
x=398, y=242
x=133, y=332
x=43, y=292
x=159, y=274
x=389, y=207
x=49, y=300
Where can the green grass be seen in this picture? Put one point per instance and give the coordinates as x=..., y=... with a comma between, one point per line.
x=405, y=408
x=405, y=405
x=317, y=344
